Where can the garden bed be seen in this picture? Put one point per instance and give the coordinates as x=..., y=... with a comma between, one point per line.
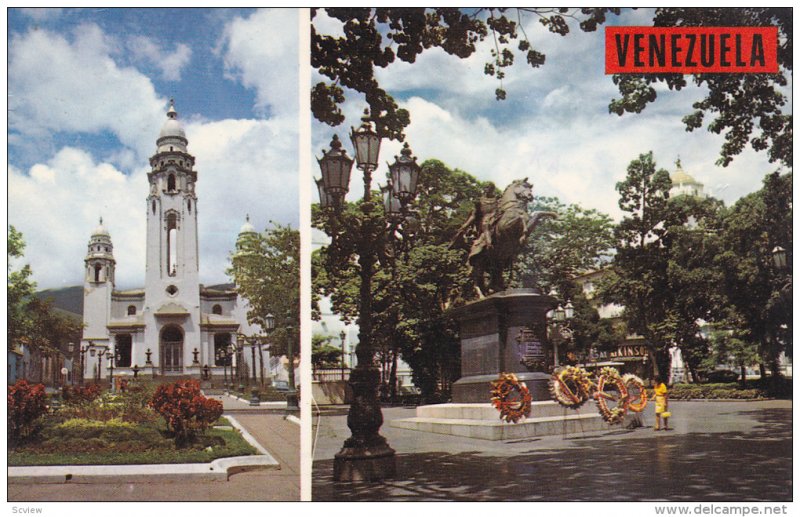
x=172, y=423
x=75, y=442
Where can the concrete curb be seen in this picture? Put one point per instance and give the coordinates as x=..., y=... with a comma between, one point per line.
x=275, y=404
x=218, y=470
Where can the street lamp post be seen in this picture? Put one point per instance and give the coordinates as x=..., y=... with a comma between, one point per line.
x=291, y=395
x=366, y=455
x=83, y=363
x=100, y=354
x=560, y=331
x=342, y=335
x=71, y=351
x=253, y=343
x=784, y=276
x=228, y=352
x=111, y=359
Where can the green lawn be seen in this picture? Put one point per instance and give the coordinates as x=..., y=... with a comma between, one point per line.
x=79, y=441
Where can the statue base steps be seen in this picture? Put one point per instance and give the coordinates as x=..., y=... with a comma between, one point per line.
x=482, y=421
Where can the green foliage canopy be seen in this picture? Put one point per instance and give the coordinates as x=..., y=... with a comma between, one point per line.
x=266, y=270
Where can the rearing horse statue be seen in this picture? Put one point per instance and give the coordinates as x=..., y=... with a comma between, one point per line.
x=502, y=225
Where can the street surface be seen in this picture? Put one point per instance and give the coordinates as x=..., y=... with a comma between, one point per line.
x=717, y=451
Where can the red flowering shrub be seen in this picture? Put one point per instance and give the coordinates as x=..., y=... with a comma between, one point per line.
x=185, y=409
x=80, y=395
x=26, y=403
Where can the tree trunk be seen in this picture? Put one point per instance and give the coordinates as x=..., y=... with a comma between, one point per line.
x=743, y=373
x=393, y=377
x=692, y=372
x=261, y=363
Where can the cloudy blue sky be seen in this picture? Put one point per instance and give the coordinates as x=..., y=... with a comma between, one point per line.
x=554, y=126
x=87, y=94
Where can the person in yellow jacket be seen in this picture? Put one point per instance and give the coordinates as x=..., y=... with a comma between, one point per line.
x=662, y=403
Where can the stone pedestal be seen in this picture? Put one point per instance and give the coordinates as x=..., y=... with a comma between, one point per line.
x=497, y=333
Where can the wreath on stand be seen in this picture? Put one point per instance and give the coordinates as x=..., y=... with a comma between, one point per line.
x=611, y=396
x=511, y=397
x=570, y=386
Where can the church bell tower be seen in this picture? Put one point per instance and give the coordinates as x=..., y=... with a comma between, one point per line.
x=172, y=289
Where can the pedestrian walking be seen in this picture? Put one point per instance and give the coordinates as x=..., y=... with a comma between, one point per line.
x=662, y=404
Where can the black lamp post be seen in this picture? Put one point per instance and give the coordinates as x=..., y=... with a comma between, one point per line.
x=225, y=353
x=366, y=455
x=237, y=351
x=291, y=394
x=100, y=354
x=560, y=331
x=252, y=342
x=83, y=363
x=111, y=359
x=342, y=335
x=71, y=351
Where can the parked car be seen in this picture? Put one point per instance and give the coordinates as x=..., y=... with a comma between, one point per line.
x=722, y=376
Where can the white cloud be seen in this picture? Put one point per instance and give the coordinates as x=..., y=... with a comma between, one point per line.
x=170, y=63
x=244, y=167
x=40, y=14
x=71, y=84
x=261, y=51
x=60, y=84
x=56, y=204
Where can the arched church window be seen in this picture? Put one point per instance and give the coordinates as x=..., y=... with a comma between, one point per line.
x=131, y=310
x=97, y=270
x=217, y=309
x=172, y=243
x=171, y=183
x=190, y=205
x=154, y=207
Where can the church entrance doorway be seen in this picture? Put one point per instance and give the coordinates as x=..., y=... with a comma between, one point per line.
x=172, y=349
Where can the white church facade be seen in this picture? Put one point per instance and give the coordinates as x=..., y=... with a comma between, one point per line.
x=174, y=326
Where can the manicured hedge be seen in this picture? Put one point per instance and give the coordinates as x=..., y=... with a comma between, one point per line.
x=714, y=391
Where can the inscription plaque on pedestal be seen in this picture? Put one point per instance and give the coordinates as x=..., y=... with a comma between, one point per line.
x=489, y=331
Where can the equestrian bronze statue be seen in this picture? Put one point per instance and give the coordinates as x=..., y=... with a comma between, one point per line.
x=498, y=228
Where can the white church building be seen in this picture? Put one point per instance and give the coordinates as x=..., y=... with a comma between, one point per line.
x=174, y=326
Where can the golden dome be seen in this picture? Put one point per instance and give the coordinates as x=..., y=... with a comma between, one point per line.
x=681, y=177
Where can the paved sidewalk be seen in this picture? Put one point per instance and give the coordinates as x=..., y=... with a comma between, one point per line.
x=718, y=451
x=279, y=436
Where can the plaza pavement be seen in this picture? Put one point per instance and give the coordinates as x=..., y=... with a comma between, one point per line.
x=717, y=451
x=279, y=436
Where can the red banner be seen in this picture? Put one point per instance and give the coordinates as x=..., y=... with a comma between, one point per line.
x=691, y=50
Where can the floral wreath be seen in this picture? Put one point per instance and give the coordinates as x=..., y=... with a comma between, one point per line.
x=634, y=384
x=570, y=386
x=612, y=415
x=511, y=409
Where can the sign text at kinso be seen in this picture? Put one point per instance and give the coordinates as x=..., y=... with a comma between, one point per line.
x=691, y=50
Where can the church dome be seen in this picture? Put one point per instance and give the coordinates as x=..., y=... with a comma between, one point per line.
x=172, y=127
x=247, y=227
x=172, y=136
x=681, y=177
x=101, y=230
